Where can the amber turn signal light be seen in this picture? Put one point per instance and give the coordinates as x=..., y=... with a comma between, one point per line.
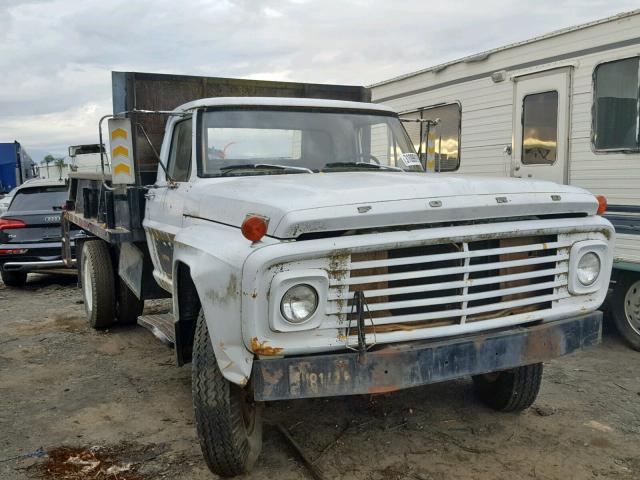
x=254, y=228
x=602, y=204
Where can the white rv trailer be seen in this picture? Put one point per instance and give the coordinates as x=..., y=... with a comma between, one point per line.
x=562, y=107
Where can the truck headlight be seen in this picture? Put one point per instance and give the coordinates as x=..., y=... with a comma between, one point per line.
x=299, y=303
x=588, y=268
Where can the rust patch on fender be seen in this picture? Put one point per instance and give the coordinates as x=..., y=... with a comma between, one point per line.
x=261, y=348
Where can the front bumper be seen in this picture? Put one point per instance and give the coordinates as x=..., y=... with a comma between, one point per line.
x=411, y=364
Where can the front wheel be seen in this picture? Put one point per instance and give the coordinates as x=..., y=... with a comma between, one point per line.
x=229, y=423
x=625, y=304
x=511, y=390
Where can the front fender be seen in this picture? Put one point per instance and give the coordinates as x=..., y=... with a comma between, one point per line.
x=215, y=255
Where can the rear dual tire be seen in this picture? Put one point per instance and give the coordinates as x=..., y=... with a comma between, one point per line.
x=105, y=302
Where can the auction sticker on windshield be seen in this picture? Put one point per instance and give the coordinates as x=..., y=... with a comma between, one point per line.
x=410, y=159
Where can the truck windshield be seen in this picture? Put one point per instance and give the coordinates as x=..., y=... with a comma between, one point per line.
x=264, y=141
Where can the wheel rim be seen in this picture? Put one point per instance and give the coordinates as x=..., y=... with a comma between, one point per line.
x=87, y=286
x=632, y=306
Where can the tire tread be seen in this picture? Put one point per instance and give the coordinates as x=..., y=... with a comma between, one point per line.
x=220, y=426
x=103, y=312
x=513, y=391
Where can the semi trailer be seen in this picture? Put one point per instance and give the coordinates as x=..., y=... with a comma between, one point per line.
x=16, y=166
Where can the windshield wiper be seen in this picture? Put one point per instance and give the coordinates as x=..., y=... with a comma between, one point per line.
x=366, y=165
x=263, y=166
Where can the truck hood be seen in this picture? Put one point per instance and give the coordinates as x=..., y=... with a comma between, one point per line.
x=323, y=202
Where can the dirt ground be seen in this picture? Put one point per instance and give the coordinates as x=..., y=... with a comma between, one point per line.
x=115, y=402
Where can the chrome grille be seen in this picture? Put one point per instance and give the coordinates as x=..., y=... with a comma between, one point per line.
x=451, y=283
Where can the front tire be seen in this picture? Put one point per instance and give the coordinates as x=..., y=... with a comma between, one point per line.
x=14, y=279
x=229, y=425
x=511, y=390
x=98, y=287
x=625, y=307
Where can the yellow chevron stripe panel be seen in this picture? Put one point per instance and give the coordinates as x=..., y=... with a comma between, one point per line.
x=122, y=168
x=119, y=132
x=120, y=150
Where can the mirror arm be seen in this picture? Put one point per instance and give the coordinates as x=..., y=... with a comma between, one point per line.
x=171, y=181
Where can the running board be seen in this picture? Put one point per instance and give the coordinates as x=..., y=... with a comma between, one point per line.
x=161, y=325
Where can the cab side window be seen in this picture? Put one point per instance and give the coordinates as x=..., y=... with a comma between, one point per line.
x=179, y=167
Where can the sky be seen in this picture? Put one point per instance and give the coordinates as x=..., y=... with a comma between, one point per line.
x=56, y=56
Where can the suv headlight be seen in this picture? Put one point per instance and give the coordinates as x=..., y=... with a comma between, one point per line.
x=299, y=303
x=588, y=268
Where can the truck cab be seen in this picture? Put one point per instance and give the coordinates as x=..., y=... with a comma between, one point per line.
x=313, y=239
x=88, y=158
x=308, y=254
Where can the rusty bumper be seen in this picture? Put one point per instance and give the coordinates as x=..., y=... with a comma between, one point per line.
x=411, y=364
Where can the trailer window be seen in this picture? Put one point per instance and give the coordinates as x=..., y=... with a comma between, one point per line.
x=616, y=105
x=445, y=137
x=540, y=128
x=179, y=166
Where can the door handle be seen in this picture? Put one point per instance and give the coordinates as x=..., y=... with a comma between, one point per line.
x=149, y=195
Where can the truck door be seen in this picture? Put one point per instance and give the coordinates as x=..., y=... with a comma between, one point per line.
x=165, y=204
x=541, y=126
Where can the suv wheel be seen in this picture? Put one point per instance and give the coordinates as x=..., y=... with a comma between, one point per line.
x=14, y=279
x=625, y=309
x=229, y=424
x=98, y=287
x=511, y=390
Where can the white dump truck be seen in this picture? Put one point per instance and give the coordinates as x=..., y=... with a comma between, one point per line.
x=308, y=254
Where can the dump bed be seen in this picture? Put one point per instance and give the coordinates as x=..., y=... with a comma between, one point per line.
x=153, y=91
x=115, y=215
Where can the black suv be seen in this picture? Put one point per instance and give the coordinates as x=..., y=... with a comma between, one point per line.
x=30, y=235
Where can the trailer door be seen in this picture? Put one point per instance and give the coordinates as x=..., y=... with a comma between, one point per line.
x=541, y=126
